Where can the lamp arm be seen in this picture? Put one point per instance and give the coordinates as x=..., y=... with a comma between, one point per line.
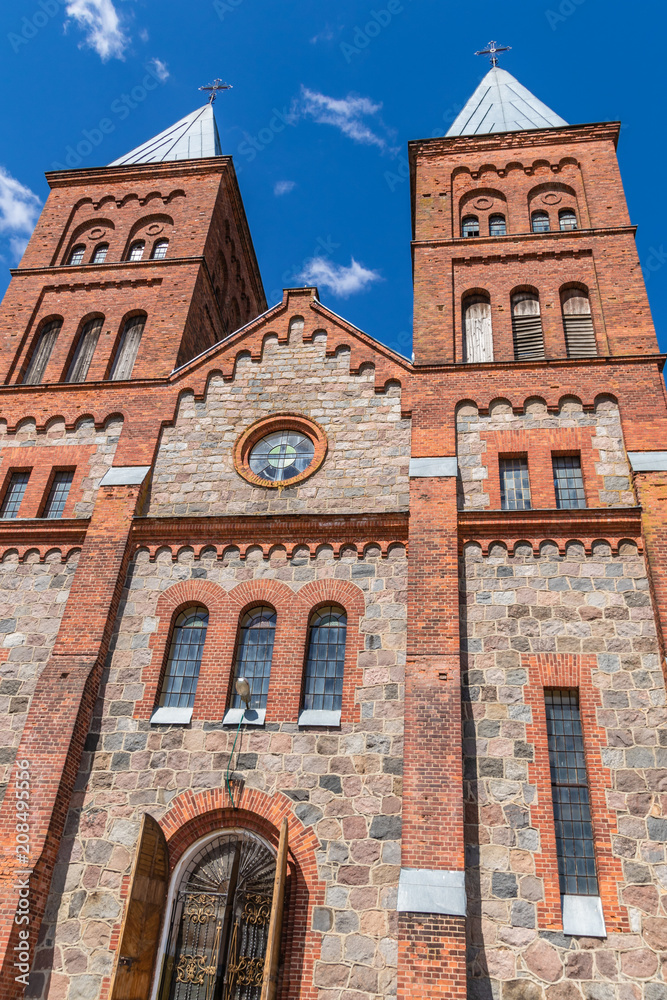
x=229, y=763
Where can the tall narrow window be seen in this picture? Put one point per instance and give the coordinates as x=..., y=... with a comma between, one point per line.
x=514, y=484
x=160, y=249
x=578, y=324
x=57, y=498
x=568, y=481
x=100, y=254
x=42, y=352
x=478, y=335
x=136, y=250
x=497, y=225
x=85, y=349
x=77, y=254
x=254, y=654
x=185, y=653
x=527, y=327
x=13, y=495
x=323, y=689
x=128, y=348
x=567, y=218
x=470, y=226
x=569, y=791
x=540, y=222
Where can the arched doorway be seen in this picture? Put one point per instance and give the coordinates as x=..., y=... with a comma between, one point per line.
x=220, y=921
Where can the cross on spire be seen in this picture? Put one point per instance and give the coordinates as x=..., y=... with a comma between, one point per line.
x=214, y=87
x=492, y=49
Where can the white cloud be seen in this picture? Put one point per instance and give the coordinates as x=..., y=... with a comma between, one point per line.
x=346, y=114
x=19, y=206
x=101, y=22
x=160, y=69
x=325, y=35
x=17, y=245
x=283, y=187
x=340, y=280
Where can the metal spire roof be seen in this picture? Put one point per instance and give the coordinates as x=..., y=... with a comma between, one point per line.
x=192, y=138
x=502, y=104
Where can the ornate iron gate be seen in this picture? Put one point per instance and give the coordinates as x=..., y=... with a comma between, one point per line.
x=220, y=922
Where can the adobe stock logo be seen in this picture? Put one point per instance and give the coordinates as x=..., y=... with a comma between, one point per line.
x=47, y=9
x=379, y=20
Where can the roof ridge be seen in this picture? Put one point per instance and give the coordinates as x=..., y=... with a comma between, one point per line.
x=501, y=104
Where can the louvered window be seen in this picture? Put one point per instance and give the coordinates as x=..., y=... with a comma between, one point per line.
x=185, y=653
x=323, y=689
x=100, y=254
x=77, y=254
x=497, y=225
x=578, y=324
x=254, y=655
x=567, y=219
x=14, y=495
x=57, y=498
x=470, y=226
x=42, y=353
x=527, y=327
x=128, y=348
x=569, y=791
x=540, y=222
x=478, y=335
x=85, y=349
x=514, y=484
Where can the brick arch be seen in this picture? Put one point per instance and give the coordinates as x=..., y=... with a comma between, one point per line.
x=170, y=602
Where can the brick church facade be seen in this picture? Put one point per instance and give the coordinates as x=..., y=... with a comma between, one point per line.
x=444, y=582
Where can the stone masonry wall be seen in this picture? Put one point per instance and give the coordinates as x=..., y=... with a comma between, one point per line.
x=518, y=607
x=366, y=467
x=344, y=783
x=477, y=451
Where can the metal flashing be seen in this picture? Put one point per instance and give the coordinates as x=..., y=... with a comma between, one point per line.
x=648, y=461
x=125, y=475
x=424, y=890
x=583, y=916
x=501, y=104
x=422, y=468
x=319, y=717
x=167, y=715
x=250, y=716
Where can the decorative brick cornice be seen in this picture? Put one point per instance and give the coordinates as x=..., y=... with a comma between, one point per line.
x=610, y=524
x=528, y=138
x=42, y=536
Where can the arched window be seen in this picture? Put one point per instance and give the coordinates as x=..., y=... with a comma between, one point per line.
x=85, y=349
x=100, y=254
x=136, y=250
x=77, y=254
x=477, y=332
x=567, y=218
x=254, y=653
x=128, y=348
x=497, y=225
x=470, y=226
x=578, y=324
x=42, y=352
x=527, y=327
x=185, y=652
x=540, y=222
x=325, y=662
x=159, y=249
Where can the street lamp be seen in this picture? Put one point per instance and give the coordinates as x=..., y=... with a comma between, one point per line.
x=243, y=691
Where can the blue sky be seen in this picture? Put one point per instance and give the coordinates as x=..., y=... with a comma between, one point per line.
x=325, y=97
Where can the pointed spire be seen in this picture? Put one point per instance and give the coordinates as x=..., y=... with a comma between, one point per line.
x=502, y=104
x=192, y=138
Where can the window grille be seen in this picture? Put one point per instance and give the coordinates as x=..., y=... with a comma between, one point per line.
x=137, y=250
x=514, y=484
x=567, y=219
x=478, y=334
x=569, y=791
x=85, y=349
x=185, y=653
x=77, y=254
x=540, y=222
x=42, y=353
x=578, y=324
x=14, y=495
x=527, y=327
x=57, y=498
x=160, y=249
x=128, y=348
x=470, y=226
x=568, y=481
x=100, y=254
x=254, y=654
x=497, y=225
x=325, y=663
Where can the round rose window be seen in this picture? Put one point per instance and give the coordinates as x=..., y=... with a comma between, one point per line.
x=281, y=456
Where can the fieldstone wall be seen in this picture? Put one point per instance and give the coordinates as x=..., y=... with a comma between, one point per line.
x=366, y=467
x=513, y=605
x=612, y=464
x=344, y=783
x=32, y=601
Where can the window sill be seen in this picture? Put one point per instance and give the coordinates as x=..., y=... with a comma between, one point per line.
x=319, y=717
x=583, y=916
x=167, y=715
x=250, y=716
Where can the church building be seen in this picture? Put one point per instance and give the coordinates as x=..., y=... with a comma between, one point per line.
x=326, y=674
